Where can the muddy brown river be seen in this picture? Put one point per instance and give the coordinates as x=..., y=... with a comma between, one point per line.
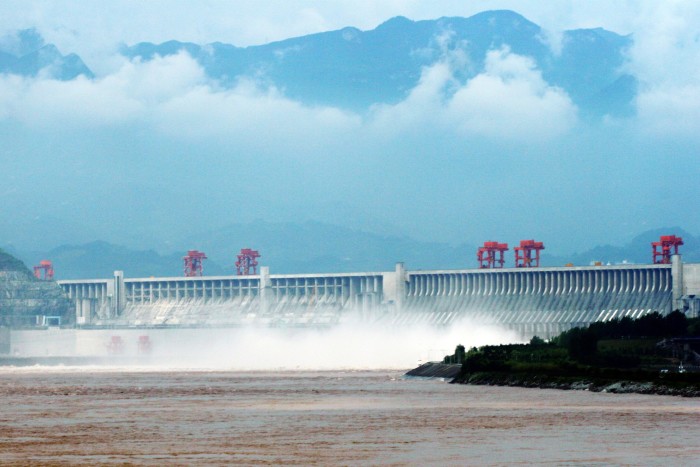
x=118, y=416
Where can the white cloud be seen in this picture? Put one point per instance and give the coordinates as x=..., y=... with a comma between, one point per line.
x=667, y=44
x=670, y=111
x=248, y=114
x=80, y=103
x=128, y=95
x=665, y=59
x=10, y=88
x=172, y=95
x=509, y=100
x=423, y=108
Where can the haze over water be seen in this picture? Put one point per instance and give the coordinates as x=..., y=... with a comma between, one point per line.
x=353, y=344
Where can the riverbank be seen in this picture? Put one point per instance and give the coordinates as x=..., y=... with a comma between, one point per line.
x=654, y=354
x=74, y=361
x=623, y=383
x=582, y=383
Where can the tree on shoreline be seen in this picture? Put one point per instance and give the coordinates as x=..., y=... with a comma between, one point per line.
x=581, y=345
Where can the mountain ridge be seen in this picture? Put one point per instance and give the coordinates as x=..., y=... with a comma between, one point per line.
x=27, y=54
x=354, y=69
x=314, y=247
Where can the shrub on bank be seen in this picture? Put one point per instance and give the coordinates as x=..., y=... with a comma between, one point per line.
x=621, y=347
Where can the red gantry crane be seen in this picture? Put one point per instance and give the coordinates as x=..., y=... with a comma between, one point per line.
x=144, y=345
x=490, y=255
x=247, y=262
x=44, y=271
x=115, y=345
x=527, y=255
x=664, y=248
x=193, y=263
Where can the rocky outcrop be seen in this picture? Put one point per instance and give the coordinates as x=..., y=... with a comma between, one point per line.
x=436, y=370
x=23, y=297
x=661, y=387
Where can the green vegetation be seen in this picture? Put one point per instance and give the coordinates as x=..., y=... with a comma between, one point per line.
x=459, y=356
x=596, y=344
x=622, y=349
x=10, y=263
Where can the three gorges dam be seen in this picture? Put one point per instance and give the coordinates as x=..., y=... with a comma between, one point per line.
x=527, y=299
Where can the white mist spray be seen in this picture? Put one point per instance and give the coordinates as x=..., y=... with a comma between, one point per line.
x=351, y=345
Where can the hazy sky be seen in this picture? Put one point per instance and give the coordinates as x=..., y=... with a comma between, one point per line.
x=506, y=157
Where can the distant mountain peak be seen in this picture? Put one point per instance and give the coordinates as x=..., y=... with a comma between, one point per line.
x=395, y=22
x=504, y=18
x=25, y=53
x=22, y=42
x=503, y=15
x=350, y=33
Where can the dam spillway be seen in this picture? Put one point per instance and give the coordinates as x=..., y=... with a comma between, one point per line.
x=544, y=302
x=541, y=301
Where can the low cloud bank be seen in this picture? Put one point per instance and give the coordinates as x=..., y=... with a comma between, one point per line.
x=172, y=96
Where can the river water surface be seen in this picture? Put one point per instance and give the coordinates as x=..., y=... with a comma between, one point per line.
x=112, y=416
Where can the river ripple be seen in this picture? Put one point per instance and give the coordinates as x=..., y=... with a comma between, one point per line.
x=107, y=416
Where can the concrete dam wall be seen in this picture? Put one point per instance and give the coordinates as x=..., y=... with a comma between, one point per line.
x=542, y=301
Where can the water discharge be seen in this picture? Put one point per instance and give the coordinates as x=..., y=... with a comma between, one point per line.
x=348, y=346
x=352, y=344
